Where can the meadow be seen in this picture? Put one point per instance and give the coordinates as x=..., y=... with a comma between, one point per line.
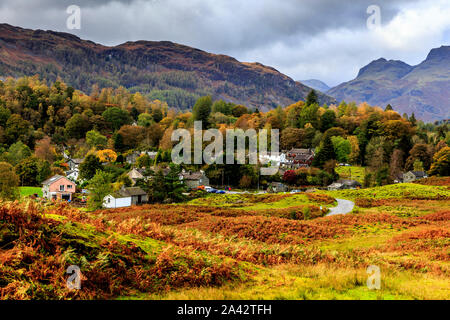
x=28, y=191
x=277, y=246
x=352, y=172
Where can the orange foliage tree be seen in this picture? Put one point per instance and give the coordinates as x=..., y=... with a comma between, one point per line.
x=107, y=155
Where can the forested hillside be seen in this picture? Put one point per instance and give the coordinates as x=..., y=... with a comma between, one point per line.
x=39, y=122
x=166, y=71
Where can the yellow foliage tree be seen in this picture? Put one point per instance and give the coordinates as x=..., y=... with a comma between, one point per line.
x=107, y=155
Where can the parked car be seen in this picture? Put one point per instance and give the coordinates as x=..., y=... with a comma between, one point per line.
x=220, y=192
x=210, y=190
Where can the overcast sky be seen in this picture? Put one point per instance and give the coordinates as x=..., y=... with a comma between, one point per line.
x=320, y=39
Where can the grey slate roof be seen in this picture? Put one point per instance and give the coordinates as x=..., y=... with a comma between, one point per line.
x=128, y=192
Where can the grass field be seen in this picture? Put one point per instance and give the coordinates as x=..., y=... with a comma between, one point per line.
x=354, y=173
x=28, y=191
x=239, y=247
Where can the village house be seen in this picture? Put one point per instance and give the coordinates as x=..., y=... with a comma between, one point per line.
x=193, y=180
x=58, y=188
x=344, y=185
x=74, y=164
x=276, y=187
x=73, y=174
x=298, y=158
x=125, y=197
x=132, y=158
x=136, y=174
x=412, y=176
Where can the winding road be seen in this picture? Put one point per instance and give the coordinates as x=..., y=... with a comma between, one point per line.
x=343, y=207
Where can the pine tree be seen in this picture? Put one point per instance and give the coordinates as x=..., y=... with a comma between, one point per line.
x=173, y=185
x=312, y=98
x=325, y=153
x=202, y=110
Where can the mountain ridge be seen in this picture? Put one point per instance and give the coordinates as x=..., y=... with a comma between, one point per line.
x=423, y=89
x=162, y=70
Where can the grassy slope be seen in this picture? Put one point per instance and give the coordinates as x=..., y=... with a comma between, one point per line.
x=406, y=273
x=28, y=191
x=355, y=173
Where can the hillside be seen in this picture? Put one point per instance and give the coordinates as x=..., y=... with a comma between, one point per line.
x=163, y=70
x=423, y=89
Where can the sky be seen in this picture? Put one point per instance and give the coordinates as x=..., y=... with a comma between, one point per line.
x=329, y=40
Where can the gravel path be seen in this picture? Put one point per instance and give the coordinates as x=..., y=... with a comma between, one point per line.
x=343, y=207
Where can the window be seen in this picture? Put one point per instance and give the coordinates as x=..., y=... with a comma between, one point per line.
x=69, y=187
x=61, y=188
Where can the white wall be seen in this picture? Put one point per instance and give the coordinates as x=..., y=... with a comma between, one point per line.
x=116, y=203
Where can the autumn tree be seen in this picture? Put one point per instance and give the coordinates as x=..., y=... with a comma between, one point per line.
x=290, y=177
x=116, y=117
x=309, y=115
x=342, y=148
x=354, y=154
x=420, y=152
x=77, y=126
x=312, y=98
x=44, y=150
x=245, y=182
x=327, y=120
x=239, y=111
x=292, y=138
x=326, y=152
x=9, y=182
x=89, y=167
x=28, y=172
x=99, y=187
x=145, y=120
x=441, y=163
x=17, y=129
x=157, y=115
x=396, y=164
x=202, y=110
x=18, y=152
x=96, y=140
x=107, y=155
x=144, y=161
x=132, y=136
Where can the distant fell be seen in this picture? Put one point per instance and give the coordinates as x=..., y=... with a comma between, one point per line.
x=163, y=70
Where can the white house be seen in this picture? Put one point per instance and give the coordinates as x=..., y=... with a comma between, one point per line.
x=125, y=197
x=73, y=174
x=275, y=159
x=74, y=164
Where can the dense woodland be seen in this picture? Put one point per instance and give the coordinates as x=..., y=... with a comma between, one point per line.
x=39, y=122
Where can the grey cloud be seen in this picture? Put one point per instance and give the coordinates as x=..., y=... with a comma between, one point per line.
x=249, y=29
